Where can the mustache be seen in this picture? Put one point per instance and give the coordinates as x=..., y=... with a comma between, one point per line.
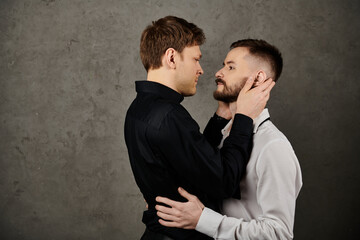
x=218, y=80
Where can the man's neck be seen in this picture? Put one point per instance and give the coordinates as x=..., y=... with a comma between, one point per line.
x=163, y=77
x=232, y=107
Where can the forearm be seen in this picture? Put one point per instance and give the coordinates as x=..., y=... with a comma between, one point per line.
x=238, y=143
x=212, y=131
x=202, y=168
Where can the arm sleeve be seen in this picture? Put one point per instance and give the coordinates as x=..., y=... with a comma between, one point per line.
x=212, y=131
x=277, y=189
x=198, y=166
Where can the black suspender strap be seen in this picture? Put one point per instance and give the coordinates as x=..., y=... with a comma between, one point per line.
x=263, y=121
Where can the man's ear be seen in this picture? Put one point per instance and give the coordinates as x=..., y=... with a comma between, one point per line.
x=169, y=58
x=260, y=78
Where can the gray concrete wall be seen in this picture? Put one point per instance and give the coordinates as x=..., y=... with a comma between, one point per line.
x=67, y=72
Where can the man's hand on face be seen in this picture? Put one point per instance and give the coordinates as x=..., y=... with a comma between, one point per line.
x=180, y=214
x=251, y=102
x=223, y=110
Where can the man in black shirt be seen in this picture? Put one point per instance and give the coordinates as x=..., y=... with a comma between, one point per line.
x=165, y=146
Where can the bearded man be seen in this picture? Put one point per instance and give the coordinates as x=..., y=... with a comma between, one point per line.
x=273, y=178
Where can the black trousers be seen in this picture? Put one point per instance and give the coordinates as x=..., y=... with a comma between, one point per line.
x=149, y=235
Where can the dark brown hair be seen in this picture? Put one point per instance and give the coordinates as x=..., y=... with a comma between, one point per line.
x=167, y=32
x=264, y=51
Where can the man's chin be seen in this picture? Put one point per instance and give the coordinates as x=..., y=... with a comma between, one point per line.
x=220, y=98
x=224, y=98
x=190, y=93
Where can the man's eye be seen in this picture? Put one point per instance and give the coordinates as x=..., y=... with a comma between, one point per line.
x=196, y=59
x=231, y=68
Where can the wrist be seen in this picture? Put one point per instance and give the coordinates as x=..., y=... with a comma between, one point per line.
x=245, y=114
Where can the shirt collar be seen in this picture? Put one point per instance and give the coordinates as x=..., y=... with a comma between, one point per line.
x=256, y=123
x=262, y=117
x=158, y=89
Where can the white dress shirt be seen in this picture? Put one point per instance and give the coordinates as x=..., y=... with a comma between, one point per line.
x=268, y=191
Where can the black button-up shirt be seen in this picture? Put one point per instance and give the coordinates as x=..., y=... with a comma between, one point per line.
x=167, y=150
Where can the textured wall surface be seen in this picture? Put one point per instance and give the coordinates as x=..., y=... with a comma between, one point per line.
x=67, y=72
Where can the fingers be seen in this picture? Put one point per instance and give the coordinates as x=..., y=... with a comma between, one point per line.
x=262, y=87
x=185, y=194
x=267, y=97
x=167, y=217
x=266, y=93
x=166, y=201
x=267, y=90
x=249, y=83
x=166, y=210
x=170, y=224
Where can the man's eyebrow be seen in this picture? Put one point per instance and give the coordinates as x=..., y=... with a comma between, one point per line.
x=228, y=62
x=200, y=56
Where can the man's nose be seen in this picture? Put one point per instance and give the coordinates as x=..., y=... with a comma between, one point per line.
x=219, y=74
x=201, y=71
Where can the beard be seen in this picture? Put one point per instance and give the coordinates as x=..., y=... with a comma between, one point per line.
x=229, y=93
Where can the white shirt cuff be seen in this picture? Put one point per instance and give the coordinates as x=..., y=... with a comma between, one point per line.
x=209, y=222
